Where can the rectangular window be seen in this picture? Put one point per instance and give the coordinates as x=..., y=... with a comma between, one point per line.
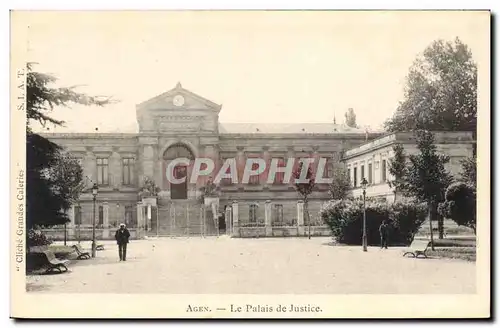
x=370, y=173
x=101, y=216
x=329, y=168
x=102, y=171
x=362, y=172
x=383, y=171
x=280, y=176
x=278, y=213
x=128, y=220
x=355, y=178
x=349, y=175
x=252, y=215
x=226, y=181
x=254, y=179
x=78, y=215
x=128, y=171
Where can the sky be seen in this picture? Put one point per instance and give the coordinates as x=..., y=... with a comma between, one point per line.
x=263, y=67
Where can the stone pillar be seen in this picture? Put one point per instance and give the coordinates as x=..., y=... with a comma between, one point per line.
x=140, y=220
x=236, y=227
x=300, y=218
x=267, y=160
x=105, y=220
x=228, y=220
x=268, y=218
x=240, y=164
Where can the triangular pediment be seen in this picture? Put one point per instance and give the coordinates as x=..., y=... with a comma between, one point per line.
x=180, y=99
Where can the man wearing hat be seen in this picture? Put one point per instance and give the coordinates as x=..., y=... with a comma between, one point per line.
x=122, y=235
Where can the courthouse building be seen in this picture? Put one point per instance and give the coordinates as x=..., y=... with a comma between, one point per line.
x=179, y=123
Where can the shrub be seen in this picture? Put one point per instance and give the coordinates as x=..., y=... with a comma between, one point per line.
x=345, y=220
x=460, y=205
x=37, y=238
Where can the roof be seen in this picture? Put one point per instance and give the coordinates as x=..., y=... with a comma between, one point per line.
x=285, y=128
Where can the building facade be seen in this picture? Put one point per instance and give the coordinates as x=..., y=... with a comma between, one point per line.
x=371, y=160
x=179, y=123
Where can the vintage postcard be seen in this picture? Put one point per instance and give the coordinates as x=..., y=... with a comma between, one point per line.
x=250, y=164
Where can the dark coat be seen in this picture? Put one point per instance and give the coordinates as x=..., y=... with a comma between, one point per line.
x=384, y=230
x=122, y=236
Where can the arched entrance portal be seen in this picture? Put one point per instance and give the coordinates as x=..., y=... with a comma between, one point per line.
x=180, y=190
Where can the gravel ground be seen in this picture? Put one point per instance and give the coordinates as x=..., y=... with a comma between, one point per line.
x=257, y=266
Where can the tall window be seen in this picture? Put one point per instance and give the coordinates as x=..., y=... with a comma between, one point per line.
x=329, y=168
x=383, y=171
x=226, y=181
x=252, y=215
x=129, y=210
x=102, y=171
x=355, y=177
x=78, y=215
x=278, y=213
x=349, y=174
x=128, y=171
x=254, y=179
x=362, y=172
x=280, y=176
x=370, y=173
x=101, y=215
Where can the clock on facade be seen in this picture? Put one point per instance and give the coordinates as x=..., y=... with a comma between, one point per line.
x=178, y=100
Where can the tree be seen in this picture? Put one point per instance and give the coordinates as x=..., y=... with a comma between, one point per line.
x=441, y=91
x=341, y=184
x=53, y=180
x=398, y=169
x=468, y=174
x=426, y=178
x=304, y=188
x=350, y=118
x=460, y=204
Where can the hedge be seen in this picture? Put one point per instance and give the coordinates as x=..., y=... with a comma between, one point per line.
x=345, y=220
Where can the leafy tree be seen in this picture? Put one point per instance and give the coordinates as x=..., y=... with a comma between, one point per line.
x=398, y=169
x=305, y=189
x=53, y=180
x=460, y=204
x=441, y=91
x=341, y=184
x=426, y=177
x=468, y=174
x=350, y=118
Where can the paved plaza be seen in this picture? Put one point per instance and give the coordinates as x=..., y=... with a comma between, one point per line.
x=260, y=266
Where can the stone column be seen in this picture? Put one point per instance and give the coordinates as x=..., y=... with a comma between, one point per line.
x=236, y=228
x=300, y=218
x=105, y=220
x=240, y=164
x=267, y=160
x=268, y=218
x=140, y=220
x=228, y=220
x=290, y=155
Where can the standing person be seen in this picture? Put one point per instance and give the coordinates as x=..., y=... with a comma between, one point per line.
x=122, y=235
x=384, y=234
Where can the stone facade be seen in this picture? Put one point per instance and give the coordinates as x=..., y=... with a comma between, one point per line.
x=181, y=119
x=371, y=160
x=181, y=123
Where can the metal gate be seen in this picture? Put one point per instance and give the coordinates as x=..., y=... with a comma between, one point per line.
x=182, y=219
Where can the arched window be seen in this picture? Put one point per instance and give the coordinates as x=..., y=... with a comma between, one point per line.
x=177, y=151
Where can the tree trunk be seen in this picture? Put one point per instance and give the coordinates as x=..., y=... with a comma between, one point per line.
x=430, y=225
x=440, y=226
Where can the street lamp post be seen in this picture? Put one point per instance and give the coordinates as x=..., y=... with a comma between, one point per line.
x=95, y=189
x=364, y=183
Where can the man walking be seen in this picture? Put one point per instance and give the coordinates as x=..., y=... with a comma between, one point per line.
x=122, y=235
x=384, y=234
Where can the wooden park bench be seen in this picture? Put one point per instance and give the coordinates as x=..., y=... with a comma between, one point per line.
x=81, y=254
x=418, y=247
x=52, y=263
